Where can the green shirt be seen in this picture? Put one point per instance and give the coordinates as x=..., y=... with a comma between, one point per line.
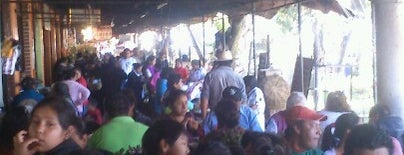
x=120, y=133
x=310, y=152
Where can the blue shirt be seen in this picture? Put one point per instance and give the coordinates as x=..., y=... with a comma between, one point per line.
x=27, y=94
x=248, y=120
x=162, y=86
x=217, y=80
x=197, y=75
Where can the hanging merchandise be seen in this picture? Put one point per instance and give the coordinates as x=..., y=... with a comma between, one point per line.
x=10, y=56
x=7, y=49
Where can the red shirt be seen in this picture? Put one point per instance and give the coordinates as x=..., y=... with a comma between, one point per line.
x=83, y=82
x=183, y=72
x=95, y=115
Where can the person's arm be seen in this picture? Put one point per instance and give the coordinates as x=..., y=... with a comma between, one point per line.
x=243, y=90
x=253, y=120
x=204, y=107
x=23, y=145
x=85, y=93
x=271, y=126
x=205, y=96
x=209, y=123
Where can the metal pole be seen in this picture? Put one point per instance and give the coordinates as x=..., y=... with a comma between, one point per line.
x=268, y=60
x=299, y=12
x=389, y=37
x=315, y=55
x=253, y=42
x=224, y=33
x=204, y=40
x=375, y=98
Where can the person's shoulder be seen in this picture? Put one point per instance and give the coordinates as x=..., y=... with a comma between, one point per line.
x=258, y=90
x=141, y=126
x=279, y=116
x=245, y=108
x=247, y=111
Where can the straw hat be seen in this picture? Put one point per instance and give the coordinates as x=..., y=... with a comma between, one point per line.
x=224, y=56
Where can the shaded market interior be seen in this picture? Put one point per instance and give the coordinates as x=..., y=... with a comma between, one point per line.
x=42, y=27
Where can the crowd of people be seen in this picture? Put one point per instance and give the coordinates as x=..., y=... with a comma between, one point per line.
x=129, y=105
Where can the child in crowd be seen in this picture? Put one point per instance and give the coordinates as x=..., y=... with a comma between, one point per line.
x=165, y=137
x=50, y=129
x=255, y=99
x=333, y=142
x=93, y=113
x=177, y=102
x=15, y=120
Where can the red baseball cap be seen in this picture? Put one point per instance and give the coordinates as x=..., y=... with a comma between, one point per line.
x=303, y=113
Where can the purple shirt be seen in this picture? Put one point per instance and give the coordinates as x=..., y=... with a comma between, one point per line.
x=277, y=123
x=78, y=93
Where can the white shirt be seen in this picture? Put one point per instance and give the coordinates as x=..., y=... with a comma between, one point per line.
x=256, y=101
x=331, y=118
x=127, y=64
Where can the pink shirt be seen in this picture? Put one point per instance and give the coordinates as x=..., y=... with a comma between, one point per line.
x=78, y=93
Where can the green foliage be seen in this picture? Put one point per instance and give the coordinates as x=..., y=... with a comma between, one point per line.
x=217, y=21
x=287, y=19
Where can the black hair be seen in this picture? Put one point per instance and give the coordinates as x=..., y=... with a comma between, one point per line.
x=61, y=89
x=344, y=123
x=173, y=95
x=69, y=73
x=337, y=102
x=213, y=147
x=118, y=105
x=65, y=112
x=237, y=149
x=91, y=127
x=250, y=80
x=28, y=83
x=172, y=80
x=80, y=128
x=79, y=55
x=264, y=143
x=15, y=120
x=366, y=136
x=227, y=113
x=136, y=65
x=150, y=58
x=184, y=58
x=168, y=130
x=197, y=62
x=167, y=72
x=178, y=60
x=62, y=60
x=380, y=110
x=158, y=66
x=223, y=63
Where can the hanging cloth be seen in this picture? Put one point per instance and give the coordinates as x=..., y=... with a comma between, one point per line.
x=7, y=49
x=9, y=62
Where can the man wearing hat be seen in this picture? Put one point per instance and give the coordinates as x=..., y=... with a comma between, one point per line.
x=247, y=118
x=217, y=80
x=303, y=132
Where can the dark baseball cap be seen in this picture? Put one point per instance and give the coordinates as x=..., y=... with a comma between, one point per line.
x=232, y=93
